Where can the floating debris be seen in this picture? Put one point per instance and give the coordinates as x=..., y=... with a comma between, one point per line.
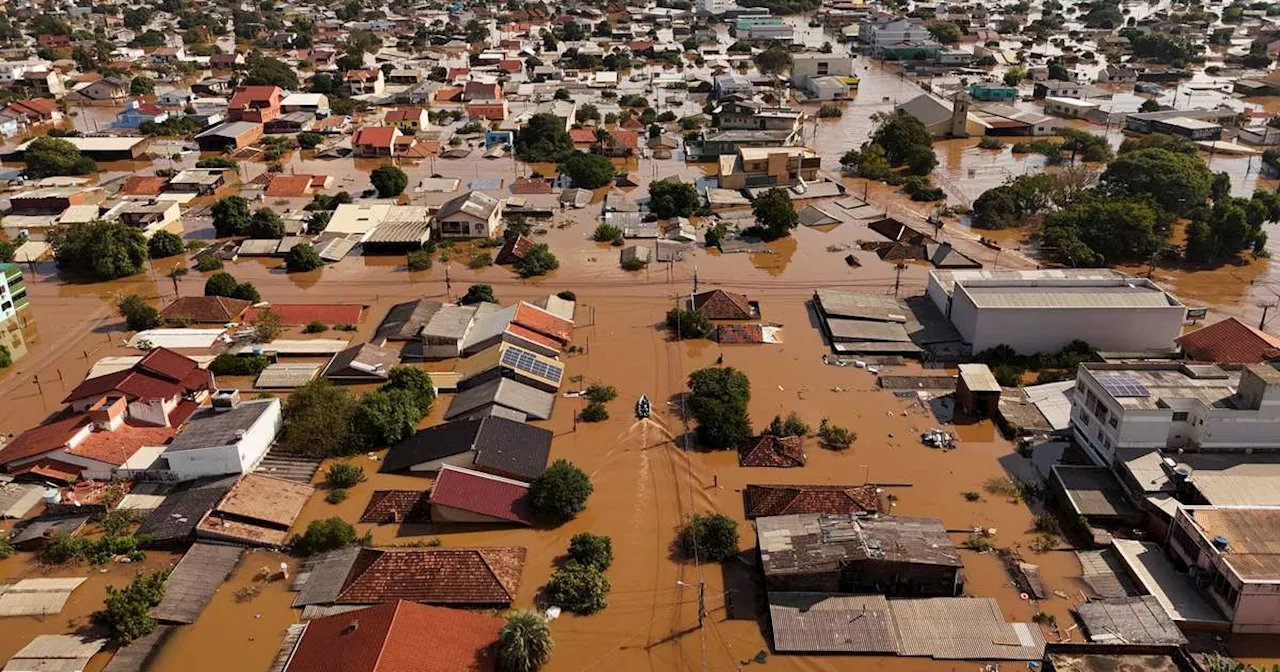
x=938, y=438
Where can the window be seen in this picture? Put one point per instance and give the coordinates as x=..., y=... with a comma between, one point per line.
x=1113, y=421
x=1087, y=420
x=1180, y=416
x=1099, y=434
x=823, y=68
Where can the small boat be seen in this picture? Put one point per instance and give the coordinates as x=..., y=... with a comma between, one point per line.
x=642, y=407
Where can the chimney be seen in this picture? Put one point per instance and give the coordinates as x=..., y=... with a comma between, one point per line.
x=226, y=400
x=352, y=627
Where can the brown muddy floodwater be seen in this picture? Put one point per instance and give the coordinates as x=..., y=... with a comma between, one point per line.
x=646, y=485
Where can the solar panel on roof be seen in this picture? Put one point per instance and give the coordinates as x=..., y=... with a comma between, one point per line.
x=1119, y=385
x=530, y=363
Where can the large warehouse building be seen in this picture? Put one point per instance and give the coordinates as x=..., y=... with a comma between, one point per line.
x=1043, y=311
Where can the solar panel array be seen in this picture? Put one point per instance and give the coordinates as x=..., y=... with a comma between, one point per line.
x=526, y=361
x=1120, y=385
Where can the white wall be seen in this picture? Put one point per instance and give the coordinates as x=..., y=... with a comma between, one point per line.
x=237, y=458
x=1046, y=330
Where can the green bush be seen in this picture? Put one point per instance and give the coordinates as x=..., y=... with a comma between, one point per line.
x=560, y=493
x=315, y=327
x=208, y=262
x=607, y=233
x=633, y=265
x=336, y=496
x=478, y=294
x=126, y=613
x=232, y=365
x=138, y=314
x=711, y=537
x=524, y=643
x=163, y=245
x=990, y=142
x=344, y=475
x=309, y=140
x=389, y=180
x=594, y=412
x=829, y=112
x=302, y=258
x=591, y=550
x=601, y=394
x=577, y=588
x=791, y=426
x=325, y=535
x=835, y=436
x=567, y=295
x=479, y=259
x=419, y=260
x=537, y=261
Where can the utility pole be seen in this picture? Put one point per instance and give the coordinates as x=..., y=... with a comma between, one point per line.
x=702, y=603
x=1265, y=307
x=897, y=278
x=695, y=279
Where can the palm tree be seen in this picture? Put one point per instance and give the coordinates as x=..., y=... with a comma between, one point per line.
x=524, y=644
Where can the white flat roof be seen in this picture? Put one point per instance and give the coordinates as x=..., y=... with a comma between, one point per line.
x=178, y=339
x=97, y=144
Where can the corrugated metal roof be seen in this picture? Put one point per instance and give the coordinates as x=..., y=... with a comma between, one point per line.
x=287, y=376
x=822, y=623
x=962, y=628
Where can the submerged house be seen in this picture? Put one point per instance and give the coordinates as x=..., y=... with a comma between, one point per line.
x=470, y=577
x=494, y=445
x=896, y=556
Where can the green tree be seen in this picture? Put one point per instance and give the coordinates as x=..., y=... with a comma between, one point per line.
x=266, y=71
x=773, y=60
x=231, y=216
x=524, y=642
x=384, y=417
x=318, y=421
x=417, y=383
x=225, y=284
x=389, y=180
x=302, y=258
x=7, y=251
x=672, y=199
x=688, y=323
x=318, y=221
x=539, y=260
x=1173, y=143
x=591, y=550
x=607, y=233
x=1176, y=181
x=325, y=535
x=559, y=493
x=138, y=314
x=1086, y=145
x=49, y=157
x=588, y=171
x=142, y=85
x=945, y=32
x=1111, y=230
x=126, y=613
x=264, y=223
x=775, y=213
x=163, y=245
x=718, y=399
x=577, y=588
x=309, y=140
x=478, y=294
x=543, y=138
x=899, y=134
x=100, y=250
x=711, y=537
x=791, y=426
x=267, y=326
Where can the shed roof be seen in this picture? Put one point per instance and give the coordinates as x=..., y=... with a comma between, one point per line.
x=210, y=428
x=483, y=494
x=192, y=584
x=823, y=623
x=511, y=394
x=500, y=445
x=772, y=451
x=1230, y=341
x=805, y=543
x=778, y=500
x=478, y=576
x=1129, y=620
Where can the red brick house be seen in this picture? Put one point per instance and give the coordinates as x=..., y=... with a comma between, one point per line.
x=255, y=103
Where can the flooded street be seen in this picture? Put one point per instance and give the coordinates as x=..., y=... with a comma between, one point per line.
x=646, y=483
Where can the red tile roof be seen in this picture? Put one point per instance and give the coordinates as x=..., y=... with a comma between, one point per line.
x=438, y=576
x=627, y=139
x=448, y=94
x=511, y=65
x=483, y=494
x=41, y=108
x=718, y=304
x=143, y=185
x=139, y=383
x=533, y=336
x=289, y=186
x=247, y=95
x=118, y=445
x=377, y=136
x=397, y=506
x=398, y=636
x=781, y=500
x=295, y=314
x=543, y=322
x=205, y=309
x=167, y=363
x=582, y=136
x=43, y=439
x=771, y=451
x=1230, y=341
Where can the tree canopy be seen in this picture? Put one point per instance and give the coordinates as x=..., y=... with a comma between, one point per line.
x=266, y=71
x=543, y=138
x=524, y=643
x=302, y=258
x=389, y=180
x=100, y=250
x=539, y=260
x=49, y=157
x=559, y=493
x=669, y=198
x=718, y=399
x=478, y=294
x=1176, y=181
x=163, y=245
x=711, y=537
x=588, y=171
x=231, y=216
x=225, y=284
x=264, y=223
x=775, y=214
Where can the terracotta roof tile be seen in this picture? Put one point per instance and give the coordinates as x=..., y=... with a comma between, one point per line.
x=781, y=500
x=439, y=576
x=772, y=451
x=116, y=446
x=43, y=439
x=297, y=314
x=482, y=494
x=583, y=136
x=718, y=304
x=144, y=185
x=543, y=322
x=1230, y=341
x=397, y=506
x=205, y=309
x=167, y=363
x=398, y=637
x=377, y=136
x=289, y=186
x=533, y=336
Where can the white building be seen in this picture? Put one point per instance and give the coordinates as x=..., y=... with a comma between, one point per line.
x=1128, y=408
x=472, y=215
x=221, y=441
x=1069, y=108
x=813, y=72
x=1231, y=554
x=1044, y=311
x=716, y=6
x=881, y=32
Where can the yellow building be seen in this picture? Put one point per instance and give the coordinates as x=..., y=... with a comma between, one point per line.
x=768, y=167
